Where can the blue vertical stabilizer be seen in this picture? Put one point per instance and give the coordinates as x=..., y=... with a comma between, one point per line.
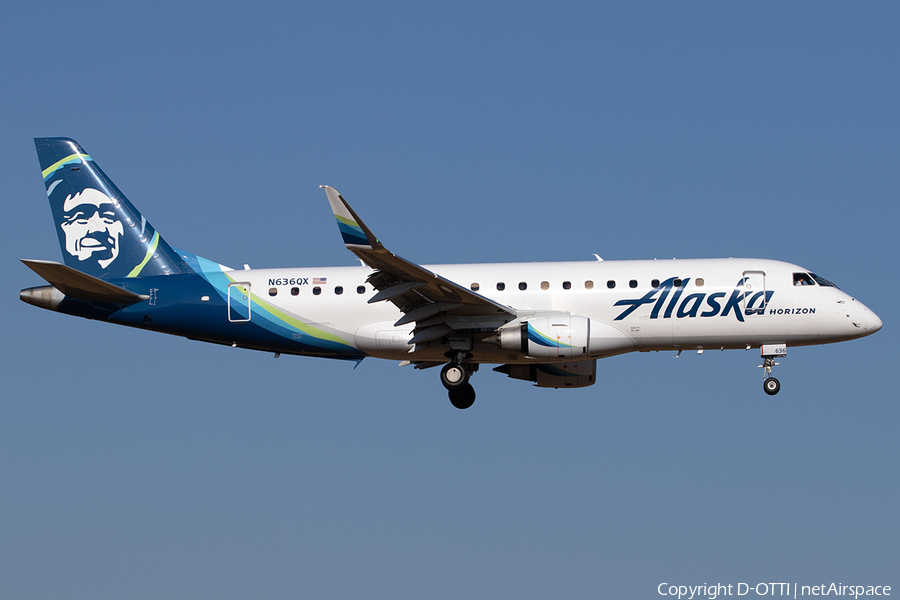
x=100, y=232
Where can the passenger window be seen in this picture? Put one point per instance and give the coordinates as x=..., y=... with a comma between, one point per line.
x=589, y=285
x=545, y=285
x=317, y=290
x=654, y=283
x=677, y=283
x=699, y=282
x=295, y=291
x=611, y=284
x=632, y=283
x=338, y=290
x=803, y=279
x=360, y=289
x=273, y=291
x=523, y=286
x=475, y=287
x=567, y=285
x=501, y=286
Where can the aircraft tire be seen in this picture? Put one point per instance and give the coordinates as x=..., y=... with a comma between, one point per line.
x=454, y=376
x=771, y=386
x=462, y=397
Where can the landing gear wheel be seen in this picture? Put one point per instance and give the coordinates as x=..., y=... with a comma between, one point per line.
x=462, y=397
x=771, y=386
x=454, y=376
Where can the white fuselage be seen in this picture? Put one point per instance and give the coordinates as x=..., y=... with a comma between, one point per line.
x=712, y=304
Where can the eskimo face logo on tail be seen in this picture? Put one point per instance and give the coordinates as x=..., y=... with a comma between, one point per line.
x=92, y=227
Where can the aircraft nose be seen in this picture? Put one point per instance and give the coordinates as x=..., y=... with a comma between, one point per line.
x=873, y=323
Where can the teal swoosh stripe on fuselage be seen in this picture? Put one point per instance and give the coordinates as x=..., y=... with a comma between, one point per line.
x=266, y=315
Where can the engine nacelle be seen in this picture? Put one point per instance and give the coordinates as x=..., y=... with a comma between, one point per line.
x=556, y=336
x=563, y=336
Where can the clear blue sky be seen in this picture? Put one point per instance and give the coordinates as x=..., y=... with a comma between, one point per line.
x=136, y=465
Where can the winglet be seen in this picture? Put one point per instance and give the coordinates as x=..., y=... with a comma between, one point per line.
x=353, y=230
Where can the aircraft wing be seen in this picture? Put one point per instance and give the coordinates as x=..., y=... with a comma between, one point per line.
x=437, y=305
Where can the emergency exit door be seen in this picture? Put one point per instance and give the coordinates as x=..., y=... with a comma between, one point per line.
x=239, y=302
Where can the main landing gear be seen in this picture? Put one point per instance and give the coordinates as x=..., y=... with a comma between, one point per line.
x=455, y=377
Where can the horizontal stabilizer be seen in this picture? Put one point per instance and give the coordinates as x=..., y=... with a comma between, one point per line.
x=81, y=285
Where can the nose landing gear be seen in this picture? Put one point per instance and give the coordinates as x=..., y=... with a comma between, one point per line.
x=769, y=353
x=771, y=385
x=455, y=377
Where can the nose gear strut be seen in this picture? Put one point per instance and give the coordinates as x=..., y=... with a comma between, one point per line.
x=769, y=353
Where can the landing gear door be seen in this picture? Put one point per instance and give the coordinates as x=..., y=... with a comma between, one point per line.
x=239, y=302
x=755, y=296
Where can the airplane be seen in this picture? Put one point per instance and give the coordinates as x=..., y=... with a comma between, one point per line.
x=546, y=323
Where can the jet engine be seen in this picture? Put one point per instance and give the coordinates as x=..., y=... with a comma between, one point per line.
x=556, y=336
x=562, y=336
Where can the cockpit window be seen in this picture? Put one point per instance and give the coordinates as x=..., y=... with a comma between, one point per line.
x=803, y=279
x=822, y=281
